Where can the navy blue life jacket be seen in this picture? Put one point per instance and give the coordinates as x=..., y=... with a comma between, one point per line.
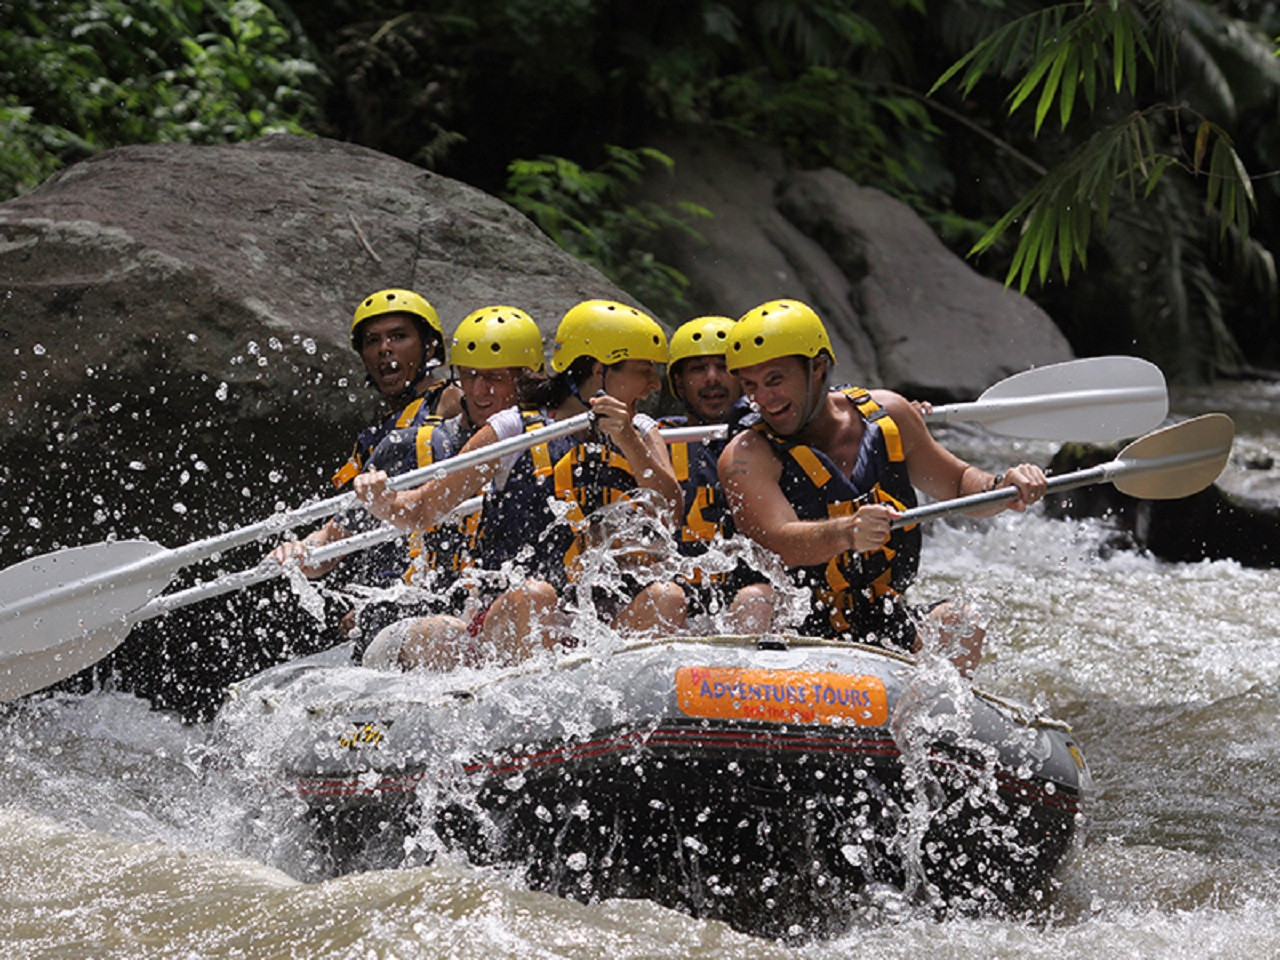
x=519, y=523
x=706, y=514
x=856, y=595
x=413, y=414
x=446, y=549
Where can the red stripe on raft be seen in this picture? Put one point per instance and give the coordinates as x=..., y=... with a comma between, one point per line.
x=359, y=785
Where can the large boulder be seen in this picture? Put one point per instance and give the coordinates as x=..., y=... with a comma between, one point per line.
x=904, y=311
x=168, y=306
x=1235, y=518
x=174, y=323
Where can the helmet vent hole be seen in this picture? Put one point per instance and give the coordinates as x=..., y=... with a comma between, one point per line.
x=759, y=341
x=495, y=348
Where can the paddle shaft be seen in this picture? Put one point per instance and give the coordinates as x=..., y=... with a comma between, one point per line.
x=203, y=549
x=164, y=563
x=269, y=569
x=1102, y=473
x=982, y=411
x=1097, y=399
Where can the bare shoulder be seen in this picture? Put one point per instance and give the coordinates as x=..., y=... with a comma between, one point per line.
x=747, y=453
x=899, y=407
x=915, y=433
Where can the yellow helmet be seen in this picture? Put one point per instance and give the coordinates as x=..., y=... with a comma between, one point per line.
x=700, y=337
x=395, y=301
x=493, y=337
x=608, y=332
x=779, y=328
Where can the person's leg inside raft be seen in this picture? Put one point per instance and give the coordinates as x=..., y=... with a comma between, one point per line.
x=507, y=631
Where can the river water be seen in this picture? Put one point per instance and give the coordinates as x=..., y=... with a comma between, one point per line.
x=115, y=841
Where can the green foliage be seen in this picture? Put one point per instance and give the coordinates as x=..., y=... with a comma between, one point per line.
x=586, y=213
x=28, y=153
x=812, y=77
x=79, y=76
x=1061, y=50
x=1085, y=131
x=825, y=117
x=1130, y=51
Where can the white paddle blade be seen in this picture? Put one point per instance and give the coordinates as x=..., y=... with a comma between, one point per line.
x=1093, y=400
x=25, y=673
x=51, y=605
x=1177, y=461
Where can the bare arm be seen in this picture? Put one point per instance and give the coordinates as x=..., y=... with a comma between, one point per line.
x=942, y=475
x=423, y=507
x=648, y=456
x=751, y=474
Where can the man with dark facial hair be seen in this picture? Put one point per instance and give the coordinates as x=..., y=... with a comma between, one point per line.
x=698, y=377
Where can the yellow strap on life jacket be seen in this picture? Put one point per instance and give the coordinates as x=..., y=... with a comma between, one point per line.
x=679, y=460
x=347, y=472
x=540, y=454
x=811, y=465
x=888, y=426
x=424, y=451
x=408, y=413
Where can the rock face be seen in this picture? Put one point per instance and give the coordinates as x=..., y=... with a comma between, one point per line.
x=165, y=305
x=905, y=312
x=1236, y=518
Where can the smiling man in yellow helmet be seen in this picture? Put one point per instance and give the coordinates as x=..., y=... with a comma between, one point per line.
x=820, y=474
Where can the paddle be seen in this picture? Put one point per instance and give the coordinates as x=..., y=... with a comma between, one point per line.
x=36, y=669
x=64, y=611
x=269, y=569
x=1164, y=465
x=1095, y=400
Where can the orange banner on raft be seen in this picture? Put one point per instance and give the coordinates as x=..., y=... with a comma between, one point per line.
x=781, y=696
